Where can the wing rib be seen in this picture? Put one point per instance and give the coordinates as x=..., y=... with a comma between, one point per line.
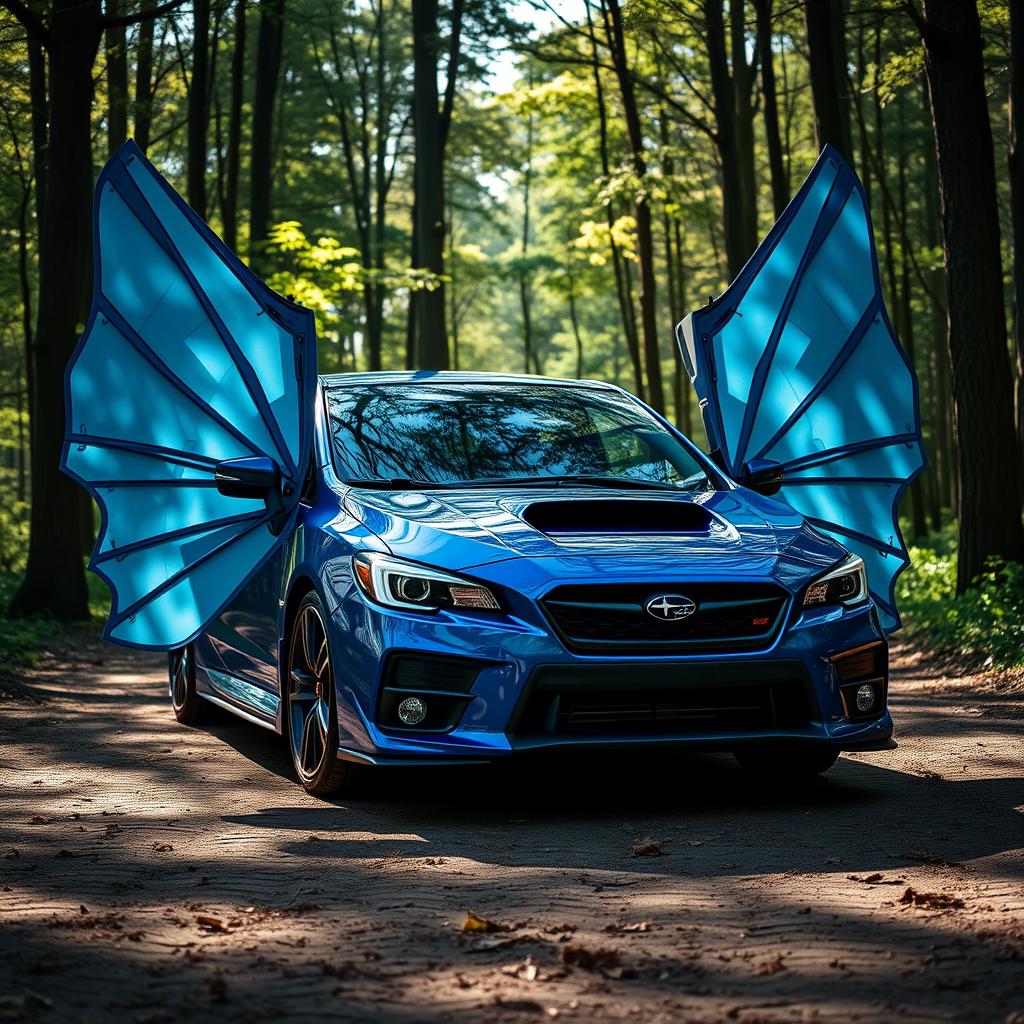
x=122, y=181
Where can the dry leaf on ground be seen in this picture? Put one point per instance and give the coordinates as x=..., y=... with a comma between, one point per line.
x=648, y=847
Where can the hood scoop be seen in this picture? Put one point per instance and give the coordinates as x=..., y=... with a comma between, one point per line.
x=624, y=517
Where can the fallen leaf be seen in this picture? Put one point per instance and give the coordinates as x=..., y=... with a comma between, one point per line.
x=38, y=819
x=527, y=970
x=210, y=924
x=771, y=966
x=624, y=929
x=930, y=900
x=162, y=847
x=648, y=847
x=475, y=923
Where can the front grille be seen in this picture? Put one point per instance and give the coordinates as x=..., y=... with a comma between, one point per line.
x=592, y=617
x=668, y=700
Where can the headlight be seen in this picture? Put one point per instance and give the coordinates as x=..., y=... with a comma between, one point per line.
x=847, y=584
x=399, y=584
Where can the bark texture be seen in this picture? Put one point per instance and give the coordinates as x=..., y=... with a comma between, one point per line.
x=988, y=456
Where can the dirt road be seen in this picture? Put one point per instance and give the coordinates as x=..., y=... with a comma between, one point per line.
x=155, y=873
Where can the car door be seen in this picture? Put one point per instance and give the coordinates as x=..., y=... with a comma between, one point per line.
x=189, y=411
x=797, y=364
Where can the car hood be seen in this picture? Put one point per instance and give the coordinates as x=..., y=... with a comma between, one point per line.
x=579, y=530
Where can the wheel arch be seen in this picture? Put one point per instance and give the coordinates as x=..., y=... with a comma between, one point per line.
x=300, y=586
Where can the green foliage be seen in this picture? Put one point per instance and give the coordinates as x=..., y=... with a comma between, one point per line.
x=986, y=624
x=19, y=638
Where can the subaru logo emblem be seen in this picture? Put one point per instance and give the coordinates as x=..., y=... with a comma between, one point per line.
x=670, y=607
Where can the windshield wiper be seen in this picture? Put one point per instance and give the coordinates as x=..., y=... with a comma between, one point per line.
x=401, y=483
x=564, y=481
x=397, y=483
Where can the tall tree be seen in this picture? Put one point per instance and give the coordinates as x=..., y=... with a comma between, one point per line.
x=989, y=459
x=198, y=107
x=766, y=53
x=744, y=75
x=826, y=45
x=626, y=311
x=641, y=206
x=364, y=79
x=740, y=240
x=525, y=285
x=142, y=110
x=1016, y=168
x=116, y=52
x=229, y=206
x=70, y=34
x=431, y=123
x=269, y=48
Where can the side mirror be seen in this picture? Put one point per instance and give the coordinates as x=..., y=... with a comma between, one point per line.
x=762, y=475
x=255, y=477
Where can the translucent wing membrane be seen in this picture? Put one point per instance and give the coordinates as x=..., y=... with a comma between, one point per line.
x=188, y=360
x=797, y=363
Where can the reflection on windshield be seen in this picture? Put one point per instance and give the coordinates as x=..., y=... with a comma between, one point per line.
x=450, y=433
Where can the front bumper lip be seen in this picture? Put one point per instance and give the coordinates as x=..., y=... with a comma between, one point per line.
x=517, y=648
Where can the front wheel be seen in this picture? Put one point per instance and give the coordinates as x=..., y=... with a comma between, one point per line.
x=188, y=707
x=787, y=762
x=311, y=715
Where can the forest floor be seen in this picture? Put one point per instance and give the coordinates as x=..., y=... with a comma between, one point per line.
x=150, y=873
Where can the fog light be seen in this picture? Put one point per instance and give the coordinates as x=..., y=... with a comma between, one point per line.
x=412, y=710
x=865, y=698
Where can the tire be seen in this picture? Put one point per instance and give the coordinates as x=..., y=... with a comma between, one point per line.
x=785, y=762
x=310, y=711
x=188, y=707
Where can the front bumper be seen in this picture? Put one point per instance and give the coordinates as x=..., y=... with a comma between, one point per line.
x=517, y=663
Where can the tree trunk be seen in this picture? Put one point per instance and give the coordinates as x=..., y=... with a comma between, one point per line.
x=199, y=107
x=780, y=181
x=743, y=78
x=625, y=301
x=25, y=285
x=919, y=525
x=229, y=214
x=116, y=52
x=736, y=251
x=432, y=333
x=826, y=44
x=989, y=460
x=942, y=430
x=143, y=106
x=55, y=577
x=524, y=276
x=1016, y=168
x=40, y=124
x=269, y=47
x=642, y=209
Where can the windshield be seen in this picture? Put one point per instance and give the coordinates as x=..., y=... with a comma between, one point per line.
x=450, y=434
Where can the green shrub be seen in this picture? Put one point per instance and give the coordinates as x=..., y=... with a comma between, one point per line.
x=985, y=624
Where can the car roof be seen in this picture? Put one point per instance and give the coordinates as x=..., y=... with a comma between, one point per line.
x=344, y=380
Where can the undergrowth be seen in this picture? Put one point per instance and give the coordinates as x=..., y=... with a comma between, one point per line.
x=985, y=625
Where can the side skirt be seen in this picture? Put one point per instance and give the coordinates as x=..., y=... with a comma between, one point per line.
x=243, y=699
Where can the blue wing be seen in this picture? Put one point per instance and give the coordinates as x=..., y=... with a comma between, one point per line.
x=187, y=360
x=798, y=363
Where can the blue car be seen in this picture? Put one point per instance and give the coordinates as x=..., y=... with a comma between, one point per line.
x=417, y=568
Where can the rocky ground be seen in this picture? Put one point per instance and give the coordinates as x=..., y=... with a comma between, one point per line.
x=150, y=872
